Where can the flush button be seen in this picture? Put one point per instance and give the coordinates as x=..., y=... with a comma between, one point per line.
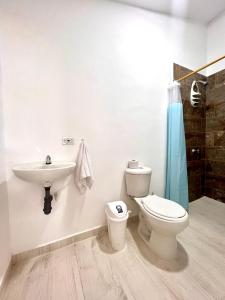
x=119, y=209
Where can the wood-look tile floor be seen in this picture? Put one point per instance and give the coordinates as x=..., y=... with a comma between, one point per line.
x=90, y=270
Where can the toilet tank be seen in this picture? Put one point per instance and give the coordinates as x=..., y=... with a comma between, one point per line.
x=138, y=181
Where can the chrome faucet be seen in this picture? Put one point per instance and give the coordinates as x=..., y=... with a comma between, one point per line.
x=48, y=160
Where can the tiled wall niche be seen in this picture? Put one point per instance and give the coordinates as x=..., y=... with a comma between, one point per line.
x=205, y=130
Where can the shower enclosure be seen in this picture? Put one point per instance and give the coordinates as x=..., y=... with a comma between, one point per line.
x=204, y=134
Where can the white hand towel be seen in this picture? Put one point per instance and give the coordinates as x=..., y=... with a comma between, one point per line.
x=83, y=171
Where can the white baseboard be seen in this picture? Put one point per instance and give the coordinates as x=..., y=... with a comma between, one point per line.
x=40, y=250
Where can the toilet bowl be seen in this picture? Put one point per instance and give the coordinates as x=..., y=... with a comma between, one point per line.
x=160, y=220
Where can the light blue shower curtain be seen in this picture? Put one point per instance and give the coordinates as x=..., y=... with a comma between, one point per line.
x=176, y=166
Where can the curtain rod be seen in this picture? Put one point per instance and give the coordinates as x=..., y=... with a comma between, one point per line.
x=201, y=68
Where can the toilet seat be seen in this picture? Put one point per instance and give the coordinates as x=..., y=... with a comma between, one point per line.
x=163, y=208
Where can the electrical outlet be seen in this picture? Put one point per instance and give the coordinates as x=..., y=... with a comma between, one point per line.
x=67, y=141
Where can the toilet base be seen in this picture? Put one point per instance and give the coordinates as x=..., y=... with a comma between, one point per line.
x=164, y=246
x=143, y=229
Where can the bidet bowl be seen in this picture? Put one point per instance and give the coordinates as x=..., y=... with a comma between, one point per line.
x=43, y=174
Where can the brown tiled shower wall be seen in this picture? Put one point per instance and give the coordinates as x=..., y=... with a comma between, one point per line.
x=205, y=132
x=215, y=137
x=194, y=125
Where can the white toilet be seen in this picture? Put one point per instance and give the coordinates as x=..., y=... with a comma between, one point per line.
x=160, y=220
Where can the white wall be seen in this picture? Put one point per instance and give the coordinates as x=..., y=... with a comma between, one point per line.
x=216, y=43
x=5, y=252
x=88, y=69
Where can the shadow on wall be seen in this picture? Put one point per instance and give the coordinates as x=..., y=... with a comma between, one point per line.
x=5, y=251
x=131, y=205
x=67, y=207
x=71, y=212
x=74, y=204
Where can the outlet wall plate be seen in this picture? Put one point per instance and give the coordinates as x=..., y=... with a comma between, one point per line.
x=67, y=141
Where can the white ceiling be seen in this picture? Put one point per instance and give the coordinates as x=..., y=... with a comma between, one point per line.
x=202, y=11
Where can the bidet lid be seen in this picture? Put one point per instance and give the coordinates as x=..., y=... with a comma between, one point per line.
x=139, y=171
x=163, y=207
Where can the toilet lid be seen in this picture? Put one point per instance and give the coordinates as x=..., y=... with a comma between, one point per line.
x=162, y=207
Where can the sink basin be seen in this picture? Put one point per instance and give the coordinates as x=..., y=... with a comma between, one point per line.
x=43, y=174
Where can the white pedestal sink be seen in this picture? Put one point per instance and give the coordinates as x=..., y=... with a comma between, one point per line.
x=45, y=175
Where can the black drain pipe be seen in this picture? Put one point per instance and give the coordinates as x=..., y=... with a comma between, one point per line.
x=47, y=201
